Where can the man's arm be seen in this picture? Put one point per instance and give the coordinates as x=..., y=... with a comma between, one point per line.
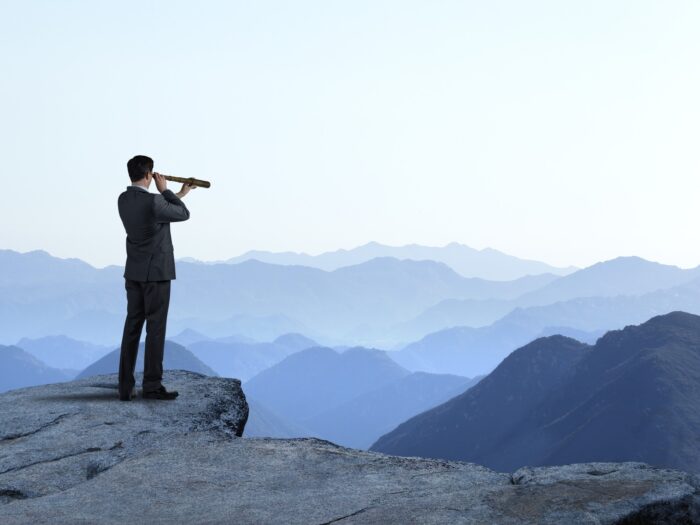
x=167, y=207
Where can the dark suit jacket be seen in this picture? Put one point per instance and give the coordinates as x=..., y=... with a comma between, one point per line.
x=146, y=217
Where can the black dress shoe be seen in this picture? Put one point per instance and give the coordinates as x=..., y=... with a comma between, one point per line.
x=161, y=393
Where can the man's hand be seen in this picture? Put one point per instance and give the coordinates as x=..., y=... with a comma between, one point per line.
x=185, y=190
x=161, y=183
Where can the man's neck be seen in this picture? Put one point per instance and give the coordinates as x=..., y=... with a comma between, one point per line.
x=143, y=185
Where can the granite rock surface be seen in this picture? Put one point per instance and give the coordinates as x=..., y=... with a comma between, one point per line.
x=73, y=453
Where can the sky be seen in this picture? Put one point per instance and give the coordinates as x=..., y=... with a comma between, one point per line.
x=560, y=131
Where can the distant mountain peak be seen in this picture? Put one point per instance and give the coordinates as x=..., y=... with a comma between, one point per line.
x=658, y=330
x=677, y=317
x=630, y=260
x=295, y=340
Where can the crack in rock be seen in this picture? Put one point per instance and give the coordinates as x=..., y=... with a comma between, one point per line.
x=596, y=472
x=335, y=520
x=10, y=437
x=96, y=467
x=9, y=495
x=22, y=467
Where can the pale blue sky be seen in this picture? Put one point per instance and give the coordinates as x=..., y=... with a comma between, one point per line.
x=561, y=131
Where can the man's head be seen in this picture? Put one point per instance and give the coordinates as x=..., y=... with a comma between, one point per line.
x=140, y=169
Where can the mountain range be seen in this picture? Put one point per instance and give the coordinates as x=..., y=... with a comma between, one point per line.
x=351, y=397
x=19, y=368
x=633, y=396
x=384, y=302
x=59, y=351
x=343, y=304
x=357, y=423
x=468, y=262
x=472, y=351
x=622, y=276
x=244, y=360
x=175, y=357
x=314, y=380
x=48, y=295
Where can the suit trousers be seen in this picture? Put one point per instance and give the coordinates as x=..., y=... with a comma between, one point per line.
x=146, y=302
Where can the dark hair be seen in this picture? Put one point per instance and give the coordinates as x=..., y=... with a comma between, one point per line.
x=139, y=167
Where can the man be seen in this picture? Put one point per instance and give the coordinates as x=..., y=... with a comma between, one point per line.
x=150, y=266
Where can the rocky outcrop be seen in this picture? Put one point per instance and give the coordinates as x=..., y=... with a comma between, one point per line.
x=72, y=453
x=54, y=437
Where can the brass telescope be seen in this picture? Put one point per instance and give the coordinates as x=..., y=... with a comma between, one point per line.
x=190, y=180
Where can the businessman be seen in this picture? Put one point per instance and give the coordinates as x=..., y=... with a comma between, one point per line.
x=150, y=266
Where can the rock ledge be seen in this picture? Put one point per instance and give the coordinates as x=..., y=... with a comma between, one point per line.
x=72, y=453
